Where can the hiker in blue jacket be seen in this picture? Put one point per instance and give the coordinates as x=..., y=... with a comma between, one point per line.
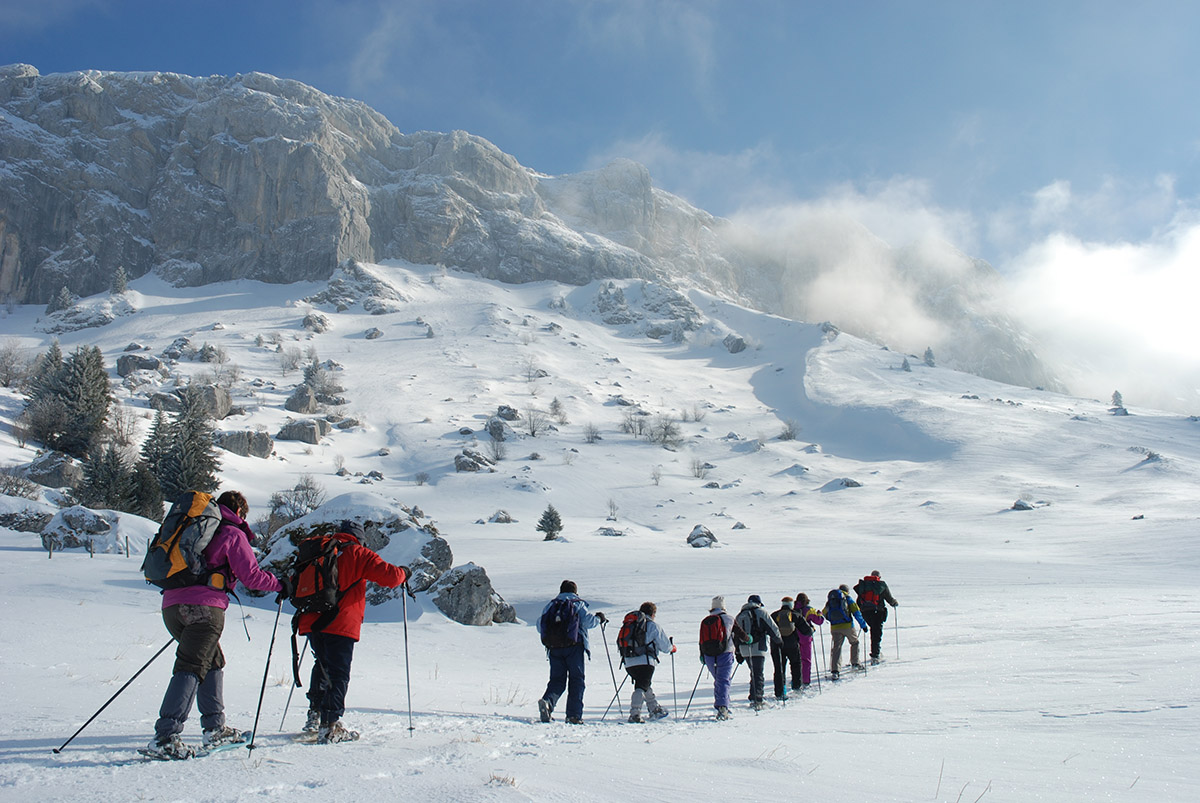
x=563, y=626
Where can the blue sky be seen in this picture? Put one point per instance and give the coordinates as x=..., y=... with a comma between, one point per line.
x=1058, y=139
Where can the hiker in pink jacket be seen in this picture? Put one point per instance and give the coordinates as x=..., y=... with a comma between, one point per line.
x=195, y=616
x=807, y=615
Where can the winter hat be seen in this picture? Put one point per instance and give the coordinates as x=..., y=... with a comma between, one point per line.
x=787, y=602
x=353, y=528
x=754, y=599
x=718, y=604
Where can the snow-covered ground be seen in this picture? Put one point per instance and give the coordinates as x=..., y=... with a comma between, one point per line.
x=1046, y=654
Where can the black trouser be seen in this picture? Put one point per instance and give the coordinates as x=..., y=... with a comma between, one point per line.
x=875, y=619
x=781, y=655
x=757, y=678
x=330, y=674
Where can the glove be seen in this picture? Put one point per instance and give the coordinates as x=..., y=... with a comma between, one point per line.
x=675, y=649
x=895, y=604
x=287, y=588
x=407, y=573
x=864, y=630
x=603, y=619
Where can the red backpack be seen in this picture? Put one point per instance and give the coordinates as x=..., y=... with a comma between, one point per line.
x=631, y=640
x=714, y=637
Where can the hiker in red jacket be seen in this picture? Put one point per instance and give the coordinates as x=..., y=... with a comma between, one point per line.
x=195, y=616
x=333, y=645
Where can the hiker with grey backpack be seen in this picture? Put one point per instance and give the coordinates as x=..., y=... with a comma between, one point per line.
x=641, y=641
x=760, y=630
x=194, y=599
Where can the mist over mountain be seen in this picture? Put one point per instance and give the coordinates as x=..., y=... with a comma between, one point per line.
x=253, y=177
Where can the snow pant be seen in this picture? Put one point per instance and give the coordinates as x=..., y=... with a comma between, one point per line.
x=837, y=636
x=875, y=620
x=758, y=680
x=806, y=659
x=782, y=654
x=566, y=674
x=641, y=675
x=332, y=656
x=721, y=669
x=198, y=675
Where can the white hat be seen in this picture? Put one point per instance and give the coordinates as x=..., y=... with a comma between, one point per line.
x=718, y=603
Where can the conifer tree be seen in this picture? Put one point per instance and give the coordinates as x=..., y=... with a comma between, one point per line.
x=550, y=523
x=147, y=500
x=84, y=389
x=191, y=463
x=929, y=356
x=120, y=281
x=107, y=481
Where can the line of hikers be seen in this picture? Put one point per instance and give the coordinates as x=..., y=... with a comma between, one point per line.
x=725, y=641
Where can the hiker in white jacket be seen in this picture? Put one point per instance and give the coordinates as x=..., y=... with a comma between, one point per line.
x=641, y=666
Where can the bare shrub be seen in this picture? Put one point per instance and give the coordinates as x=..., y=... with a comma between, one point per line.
x=790, y=431
x=656, y=475
x=665, y=430
x=496, y=450
x=122, y=424
x=591, y=433
x=699, y=468
x=13, y=484
x=421, y=477
x=14, y=363
x=535, y=421
x=289, y=359
x=301, y=499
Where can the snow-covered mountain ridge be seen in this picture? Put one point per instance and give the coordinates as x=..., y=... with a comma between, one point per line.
x=212, y=179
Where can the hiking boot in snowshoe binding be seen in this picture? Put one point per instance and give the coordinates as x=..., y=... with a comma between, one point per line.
x=722, y=712
x=312, y=723
x=337, y=732
x=545, y=709
x=170, y=749
x=636, y=718
x=574, y=721
x=658, y=713
x=215, y=737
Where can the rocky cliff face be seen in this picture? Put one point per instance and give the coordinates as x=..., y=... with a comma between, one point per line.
x=251, y=176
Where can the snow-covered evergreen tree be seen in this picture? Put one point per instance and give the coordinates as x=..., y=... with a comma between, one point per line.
x=550, y=523
x=929, y=357
x=120, y=281
x=1117, y=399
x=191, y=463
x=107, y=481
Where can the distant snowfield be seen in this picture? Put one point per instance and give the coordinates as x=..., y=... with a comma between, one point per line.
x=1047, y=654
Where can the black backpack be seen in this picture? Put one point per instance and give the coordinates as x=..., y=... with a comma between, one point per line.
x=631, y=640
x=314, y=577
x=560, y=624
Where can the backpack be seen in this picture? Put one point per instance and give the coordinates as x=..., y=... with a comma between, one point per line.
x=560, y=624
x=713, y=635
x=802, y=624
x=314, y=578
x=785, y=619
x=175, y=557
x=835, y=605
x=631, y=639
x=868, y=593
x=748, y=635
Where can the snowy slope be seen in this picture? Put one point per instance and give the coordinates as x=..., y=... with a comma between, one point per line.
x=1045, y=654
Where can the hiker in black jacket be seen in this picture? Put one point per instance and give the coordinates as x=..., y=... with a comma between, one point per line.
x=787, y=650
x=872, y=594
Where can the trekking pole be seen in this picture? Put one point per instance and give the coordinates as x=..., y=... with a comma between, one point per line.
x=115, y=696
x=293, y=689
x=613, y=672
x=613, y=700
x=674, y=690
x=695, y=686
x=407, y=674
x=824, y=667
x=262, y=691
x=896, y=611
x=814, y=669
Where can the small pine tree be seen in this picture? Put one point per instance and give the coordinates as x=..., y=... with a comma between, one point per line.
x=120, y=281
x=147, y=498
x=550, y=523
x=1117, y=399
x=556, y=410
x=904, y=366
x=929, y=356
x=107, y=481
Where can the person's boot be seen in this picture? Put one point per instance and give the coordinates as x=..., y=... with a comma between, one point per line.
x=170, y=749
x=545, y=709
x=215, y=737
x=334, y=733
x=312, y=722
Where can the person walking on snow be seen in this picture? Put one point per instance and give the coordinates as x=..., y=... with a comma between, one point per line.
x=195, y=616
x=872, y=594
x=787, y=651
x=641, y=667
x=333, y=645
x=563, y=626
x=754, y=620
x=808, y=619
x=841, y=612
x=719, y=657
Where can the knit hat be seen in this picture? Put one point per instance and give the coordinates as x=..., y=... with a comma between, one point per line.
x=353, y=528
x=718, y=604
x=787, y=602
x=754, y=599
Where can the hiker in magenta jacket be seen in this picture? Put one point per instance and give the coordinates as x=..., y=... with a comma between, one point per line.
x=195, y=616
x=814, y=619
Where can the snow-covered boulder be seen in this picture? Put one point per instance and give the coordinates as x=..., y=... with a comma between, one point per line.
x=701, y=537
x=78, y=527
x=246, y=442
x=55, y=470
x=303, y=400
x=308, y=430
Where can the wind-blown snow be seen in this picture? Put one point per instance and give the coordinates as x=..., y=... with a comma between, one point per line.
x=1046, y=654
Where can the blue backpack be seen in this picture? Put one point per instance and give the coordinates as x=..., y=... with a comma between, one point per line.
x=836, y=611
x=560, y=624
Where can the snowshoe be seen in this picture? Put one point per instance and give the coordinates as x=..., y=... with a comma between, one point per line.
x=216, y=737
x=337, y=732
x=545, y=709
x=722, y=713
x=636, y=719
x=659, y=713
x=172, y=749
x=312, y=723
